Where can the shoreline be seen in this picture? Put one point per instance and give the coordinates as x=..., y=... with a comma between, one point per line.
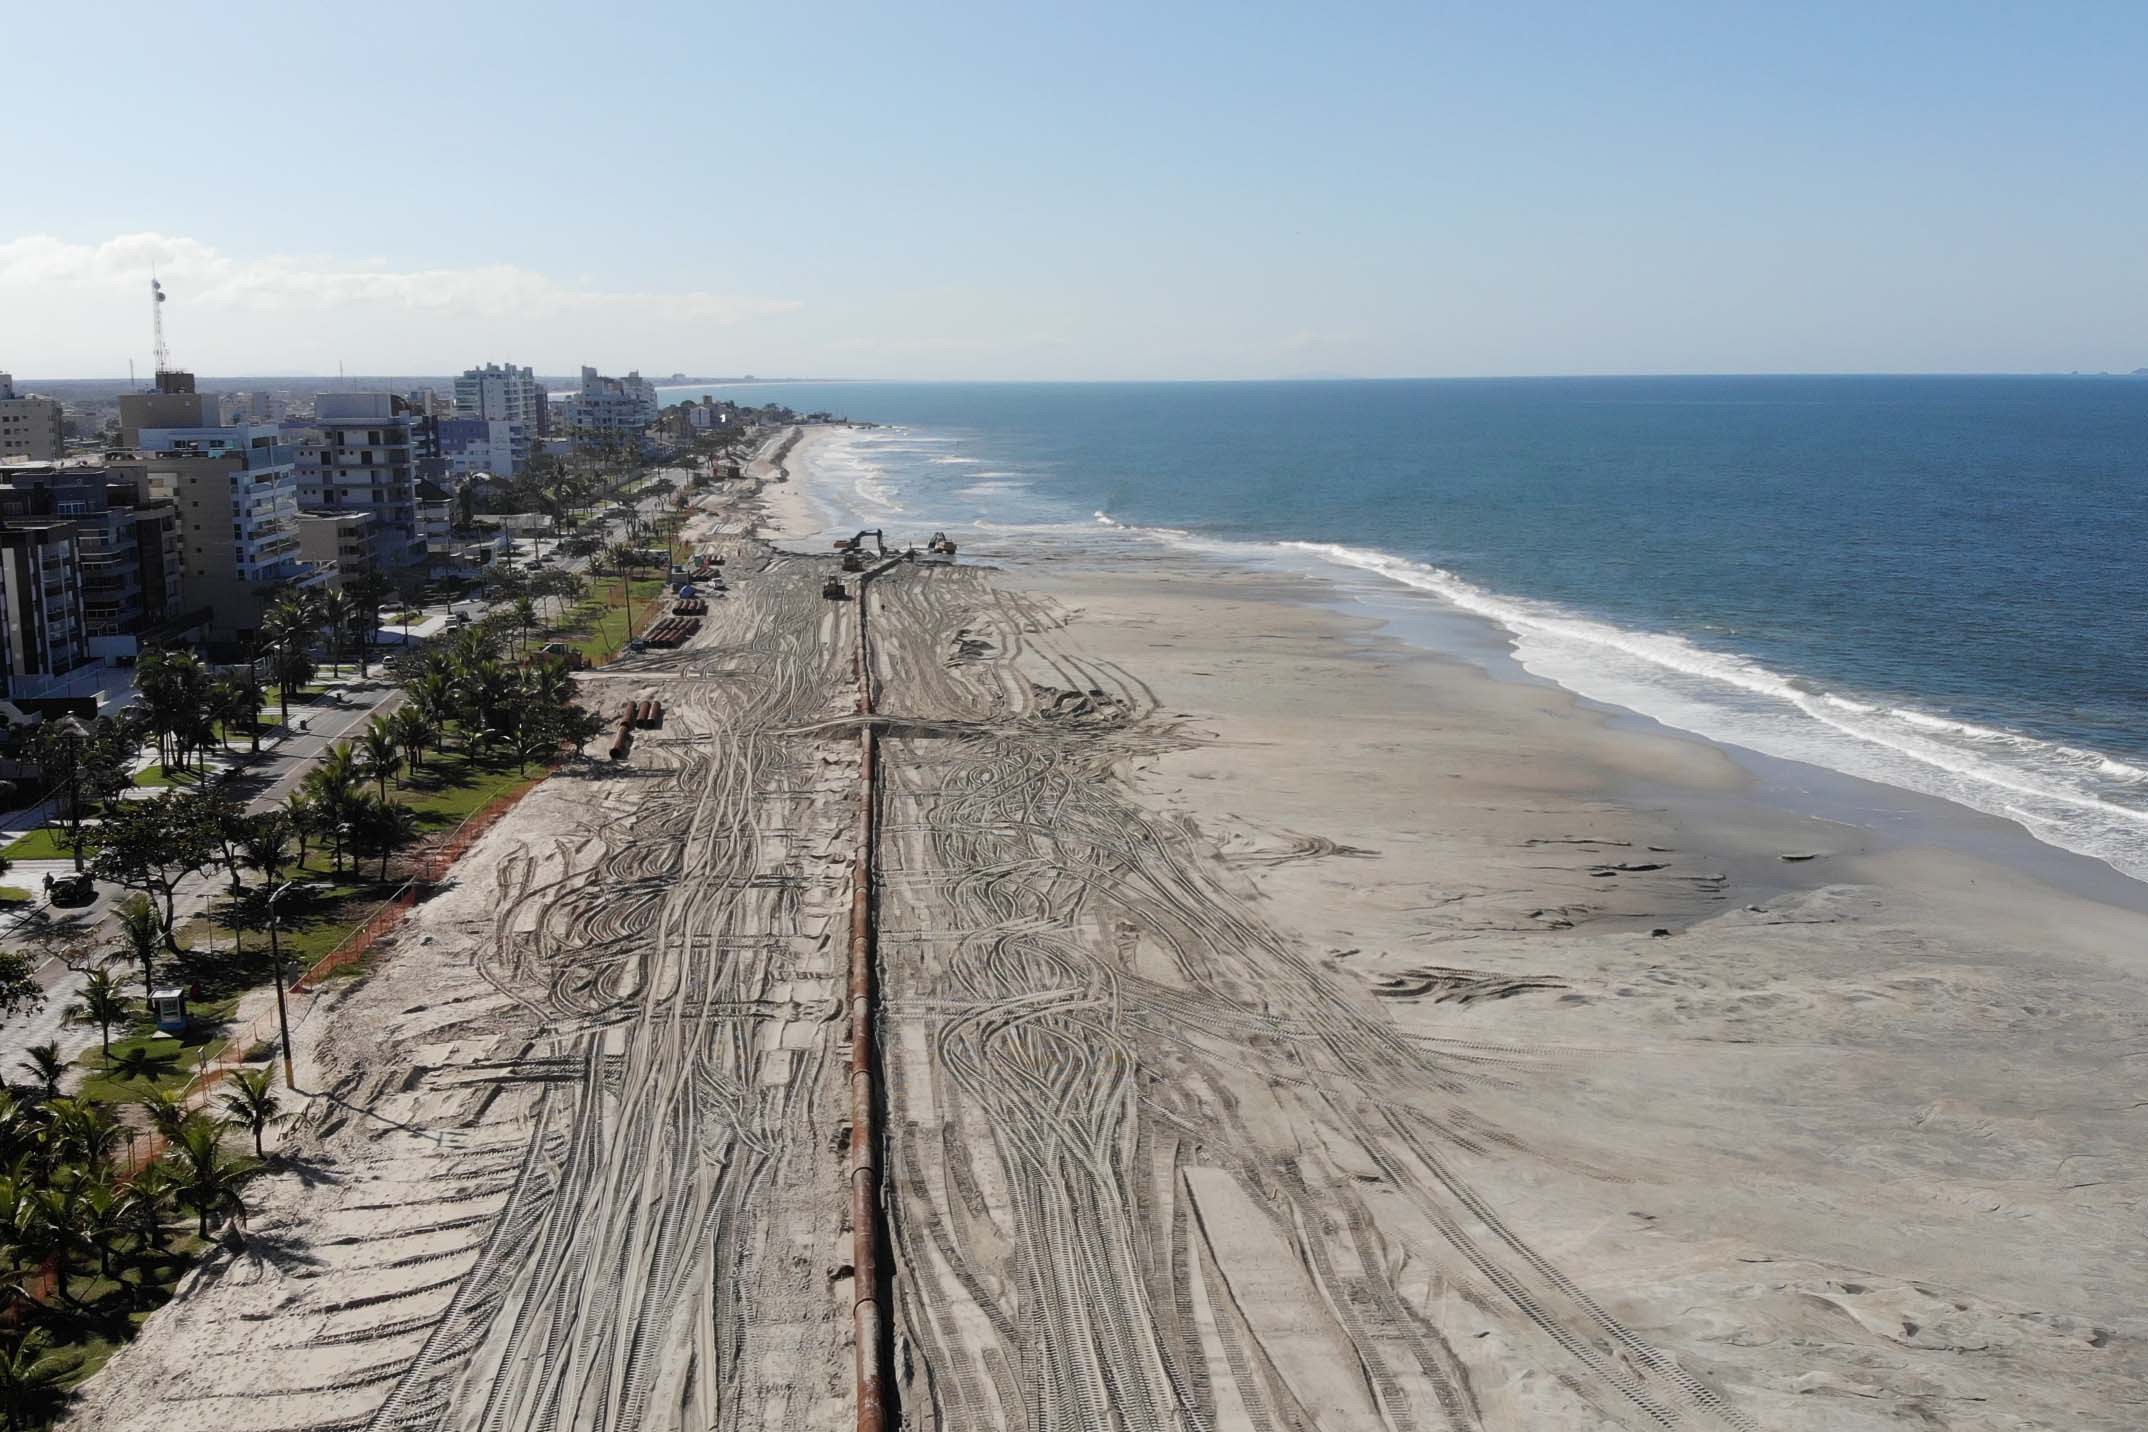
x=1271, y=1015
x=1422, y=624
x=1825, y=1100
x=2028, y=775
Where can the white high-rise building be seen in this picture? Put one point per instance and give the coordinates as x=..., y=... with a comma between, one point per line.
x=357, y=458
x=235, y=491
x=29, y=427
x=505, y=394
x=606, y=409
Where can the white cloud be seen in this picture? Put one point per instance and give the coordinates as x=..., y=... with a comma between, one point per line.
x=62, y=301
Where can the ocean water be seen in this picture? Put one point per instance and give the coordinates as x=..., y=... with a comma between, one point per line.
x=1938, y=583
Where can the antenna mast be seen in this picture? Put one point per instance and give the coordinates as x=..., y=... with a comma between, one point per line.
x=156, y=313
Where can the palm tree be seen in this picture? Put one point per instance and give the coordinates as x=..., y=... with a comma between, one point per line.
x=101, y=1004
x=288, y=629
x=414, y=732
x=623, y=558
x=164, y=1112
x=252, y=1103
x=142, y=932
x=148, y=1193
x=383, y=827
x=366, y=592
x=84, y=1131
x=332, y=785
x=383, y=751
x=268, y=844
x=48, y=1230
x=305, y=818
x=534, y=741
x=29, y=1382
x=338, y=616
x=291, y=666
x=208, y=1179
x=234, y=701
x=45, y=1066
x=101, y=1215
x=244, y=705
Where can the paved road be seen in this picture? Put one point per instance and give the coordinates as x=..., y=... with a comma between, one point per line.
x=275, y=773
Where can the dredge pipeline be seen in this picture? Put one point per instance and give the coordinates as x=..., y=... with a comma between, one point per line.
x=869, y=1315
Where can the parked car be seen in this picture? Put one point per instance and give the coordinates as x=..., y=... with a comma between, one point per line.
x=72, y=891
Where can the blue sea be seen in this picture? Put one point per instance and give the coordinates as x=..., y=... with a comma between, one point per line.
x=1937, y=583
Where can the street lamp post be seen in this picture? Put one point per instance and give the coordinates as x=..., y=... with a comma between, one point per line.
x=71, y=727
x=283, y=1014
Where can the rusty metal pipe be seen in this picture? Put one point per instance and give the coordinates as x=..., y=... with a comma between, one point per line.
x=868, y=1309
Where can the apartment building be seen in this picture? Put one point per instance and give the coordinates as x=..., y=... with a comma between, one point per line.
x=607, y=409
x=128, y=551
x=235, y=493
x=436, y=517
x=358, y=456
x=503, y=393
x=42, y=630
x=473, y=445
x=342, y=543
x=30, y=427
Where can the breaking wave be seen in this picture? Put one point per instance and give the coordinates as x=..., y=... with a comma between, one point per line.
x=2079, y=799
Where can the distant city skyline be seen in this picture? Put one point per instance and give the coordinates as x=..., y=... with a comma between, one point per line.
x=1102, y=193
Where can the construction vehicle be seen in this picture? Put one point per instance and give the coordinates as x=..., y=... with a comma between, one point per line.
x=941, y=545
x=857, y=543
x=833, y=589
x=852, y=562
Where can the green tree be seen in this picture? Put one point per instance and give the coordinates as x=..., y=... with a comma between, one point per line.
x=251, y=1103
x=581, y=725
x=367, y=592
x=383, y=753
x=42, y=1062
x=415, y=733
x=209, y=1181
x=20, y=989
x=268, y=844
x=153, y=846
x=29, y=1382
x=103, y=1004
x=149, y=1193
x=382, y=828
x=164, y=1111
x=305, y=819
x=333, y=787
x=139, y=933
x=227, y=824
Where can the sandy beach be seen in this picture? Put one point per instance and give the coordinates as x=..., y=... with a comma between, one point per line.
x=1283, y=1027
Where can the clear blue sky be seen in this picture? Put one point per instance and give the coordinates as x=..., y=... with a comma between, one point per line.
x=1194, y=190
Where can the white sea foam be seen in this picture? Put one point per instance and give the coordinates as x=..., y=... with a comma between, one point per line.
x=957, y=461
x=2078, y=799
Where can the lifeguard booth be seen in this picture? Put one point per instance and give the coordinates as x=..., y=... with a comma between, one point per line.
x=168, y=1008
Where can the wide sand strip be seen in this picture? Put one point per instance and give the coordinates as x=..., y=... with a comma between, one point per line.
x=1282, y=1029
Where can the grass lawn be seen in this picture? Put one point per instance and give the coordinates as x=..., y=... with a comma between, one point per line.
x=50, y=843
x=166, y=1061
x=450, y=789
x=114, y=1311
x=598, y=628
x=152, y=775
